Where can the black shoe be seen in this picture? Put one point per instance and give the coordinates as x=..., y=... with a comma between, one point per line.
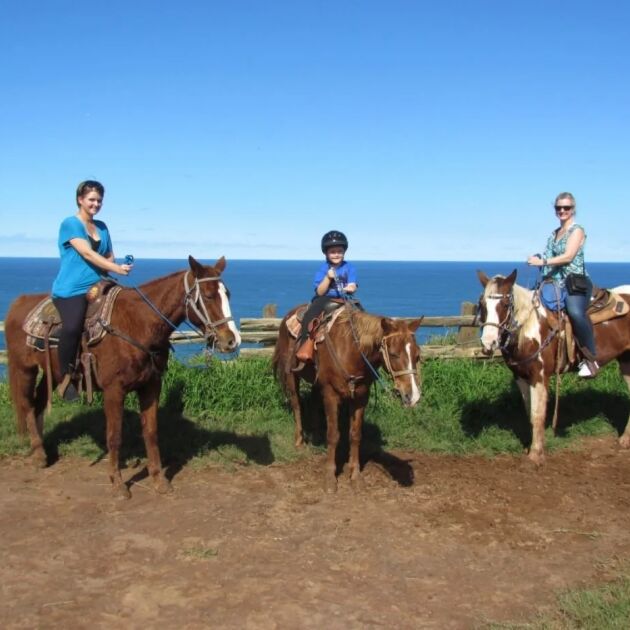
x=71, y=394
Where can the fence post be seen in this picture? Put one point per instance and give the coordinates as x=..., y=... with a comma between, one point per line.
x=466, y=334
x=270, y=310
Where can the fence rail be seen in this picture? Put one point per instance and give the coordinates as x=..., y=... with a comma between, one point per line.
x=264, y=331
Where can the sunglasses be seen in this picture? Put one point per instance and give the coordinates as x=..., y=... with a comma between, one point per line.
x=566, y=208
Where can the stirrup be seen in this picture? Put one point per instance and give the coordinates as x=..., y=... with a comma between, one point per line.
x=67, y=389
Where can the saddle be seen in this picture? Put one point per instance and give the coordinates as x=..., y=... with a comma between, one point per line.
x=319, y=326
x=43, y=324
x=605, y=305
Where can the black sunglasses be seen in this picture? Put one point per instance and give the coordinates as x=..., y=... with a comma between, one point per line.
x=563, y=208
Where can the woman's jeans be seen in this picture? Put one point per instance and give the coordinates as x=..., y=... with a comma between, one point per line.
x=582, y=326
x=72, y=312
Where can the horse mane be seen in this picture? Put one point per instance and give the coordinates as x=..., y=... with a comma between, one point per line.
x=523, y=306
x=525, y=313
x=366, y=327
x=150, y=283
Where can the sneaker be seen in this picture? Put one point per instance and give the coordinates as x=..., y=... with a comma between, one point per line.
x=588, y=369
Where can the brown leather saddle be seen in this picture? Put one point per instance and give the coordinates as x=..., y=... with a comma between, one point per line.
x=605, y=305
x=320, y=324
x=43, y=323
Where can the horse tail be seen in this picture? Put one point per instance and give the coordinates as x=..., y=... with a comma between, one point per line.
x=281, y=357
x=12, y=342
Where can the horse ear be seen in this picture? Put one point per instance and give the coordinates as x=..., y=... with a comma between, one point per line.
x=511, y=278
x=482, y=277
x=388, y=325
x=195, y=266
x=220, y=264
x=415, y=324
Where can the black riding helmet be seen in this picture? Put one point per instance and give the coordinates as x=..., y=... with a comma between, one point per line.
x=333, y=238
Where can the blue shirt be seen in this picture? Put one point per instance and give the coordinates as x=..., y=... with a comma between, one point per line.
x=346, y=274
x=76, y=275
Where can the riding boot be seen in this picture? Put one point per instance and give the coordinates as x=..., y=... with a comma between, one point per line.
x=305, y=351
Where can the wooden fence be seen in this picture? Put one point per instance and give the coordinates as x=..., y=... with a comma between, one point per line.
x=264, y=332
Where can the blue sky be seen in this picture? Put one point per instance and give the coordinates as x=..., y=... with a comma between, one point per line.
x=424, y=130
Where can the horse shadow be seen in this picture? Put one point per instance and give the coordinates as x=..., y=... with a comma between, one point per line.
x=372, y=440
x=508, y=412
x=180, y=438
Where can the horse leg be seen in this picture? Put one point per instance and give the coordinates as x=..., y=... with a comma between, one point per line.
x=26, y=394
x=538, y=394
x=292, y=385
x=356, y=428
x=624, y=368
x=149, y=397
x=523, y=387
x=114, y=400
x=331, y=407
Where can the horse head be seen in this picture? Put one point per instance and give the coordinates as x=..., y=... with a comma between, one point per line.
x=208, y=304
x=496, y=306
x=401, y=357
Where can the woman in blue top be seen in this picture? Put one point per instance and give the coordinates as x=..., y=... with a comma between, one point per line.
x=86, y=253
x=335, y=279
x=564, y=254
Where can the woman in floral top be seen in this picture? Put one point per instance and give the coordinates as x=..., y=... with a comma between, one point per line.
x=564, y=255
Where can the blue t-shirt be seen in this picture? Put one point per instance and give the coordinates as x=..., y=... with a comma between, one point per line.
x=346, y=274
x=76, y=275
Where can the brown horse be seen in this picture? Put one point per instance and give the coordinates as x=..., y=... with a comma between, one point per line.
x=132, y=358
x=513, y=321
x=357, y=344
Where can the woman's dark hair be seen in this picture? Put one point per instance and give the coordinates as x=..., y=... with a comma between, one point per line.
x=88, y=186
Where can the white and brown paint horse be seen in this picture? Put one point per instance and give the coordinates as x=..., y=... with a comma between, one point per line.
x=514, y=322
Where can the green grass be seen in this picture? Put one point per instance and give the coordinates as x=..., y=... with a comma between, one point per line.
x=234, y=413
x=605, y=607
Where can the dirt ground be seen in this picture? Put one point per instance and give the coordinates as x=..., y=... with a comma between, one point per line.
x=433, y=542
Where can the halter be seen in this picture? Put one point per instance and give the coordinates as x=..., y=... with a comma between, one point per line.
x=195, y=301
x=387, y=360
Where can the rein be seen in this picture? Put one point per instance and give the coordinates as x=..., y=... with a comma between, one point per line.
x=192, y=299
x=510, y=327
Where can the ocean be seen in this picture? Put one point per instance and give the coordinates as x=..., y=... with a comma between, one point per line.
x=406, y=289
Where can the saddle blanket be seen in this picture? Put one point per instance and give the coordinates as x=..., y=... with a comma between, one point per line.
x=44, y=320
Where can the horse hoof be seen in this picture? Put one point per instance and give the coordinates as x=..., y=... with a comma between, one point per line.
x=624, y=441
x=537, y=459
x=357, y=483
x=163, y=486
x=121, y=492
x=38, y=459
x=330, y=485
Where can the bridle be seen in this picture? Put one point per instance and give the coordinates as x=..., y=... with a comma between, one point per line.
x=387, y=360
x=512, y=327
x=194, y=300
x=508, y=324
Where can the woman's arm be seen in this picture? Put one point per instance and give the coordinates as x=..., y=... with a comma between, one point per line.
x=103, y=262
x=574, y=242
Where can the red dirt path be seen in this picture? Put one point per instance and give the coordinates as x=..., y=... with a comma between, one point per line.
x=472, y=540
